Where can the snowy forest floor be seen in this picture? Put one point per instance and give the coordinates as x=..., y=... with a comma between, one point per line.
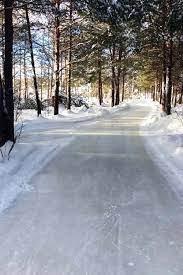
x=101, y=205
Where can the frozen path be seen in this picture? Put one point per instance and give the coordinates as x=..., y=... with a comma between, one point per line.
x=101, y=207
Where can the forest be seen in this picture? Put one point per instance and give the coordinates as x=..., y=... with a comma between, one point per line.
x=52, y=50
x=91, y=137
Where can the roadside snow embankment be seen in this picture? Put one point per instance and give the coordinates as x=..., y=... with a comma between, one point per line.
x=164, y=141
x=41, y=139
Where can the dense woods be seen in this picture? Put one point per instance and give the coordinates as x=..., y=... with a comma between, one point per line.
x=91, y=137
x=109, y=49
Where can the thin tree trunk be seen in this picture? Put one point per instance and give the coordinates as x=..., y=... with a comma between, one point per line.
x=14, y=74
x=100, y=92
x=175, y=99
x=113, y=74
x=8, y=68
x=164, y=55
x=3, y=116
x=65, y=73
x=2, y=46
x=161, y=92
x=2, y=121
x=25, y=76
x=61, y=74
x=57, y=58
x=123, y=85
x=20, y=81
x=155, y=90
x=70, y=58
x=50, y=70
x=181, y=95
x=48, y=85
x=52, y=80
x=1, y=97
x=118, y=78
x=173, y=95
x=164, y=78
x=41, y=82
x=113, y=86
x=169, y=75
x=33, y=63
x=154, y=93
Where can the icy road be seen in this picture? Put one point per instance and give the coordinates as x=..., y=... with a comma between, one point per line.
x=101, y=207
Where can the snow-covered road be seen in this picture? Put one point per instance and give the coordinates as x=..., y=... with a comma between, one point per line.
x=101, y=207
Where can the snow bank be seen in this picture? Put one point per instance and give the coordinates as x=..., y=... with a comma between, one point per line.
x=164, y=141
x=74, y=115
x=25, y=161
x=42, y=138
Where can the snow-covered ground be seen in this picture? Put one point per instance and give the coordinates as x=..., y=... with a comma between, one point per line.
x=41, y=139
x=100, y=207
x=44, y=137
x=164, y=141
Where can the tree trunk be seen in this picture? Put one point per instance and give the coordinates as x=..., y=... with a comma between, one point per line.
x=164, y=55
x=41, y=82
x=3, y=117
x=2, y=121
x=113, y=86
x=48, y=83
x=57, y=57
x=25, y=76
x=113, y=75
x=33, y=63
x=20, y=77
x=173, y=95
x=51, y=70
x=61, y=74
x=181, y=96
x=155, y=90
x=70, y=58
x=52, y=80
x=161, y=92
x=175, y=99
x=123, y=85
x=8, y=68
x=2, y=49
x=118, y=78
x=169, y=75
x=154, y=93
x=100, y=93
x=164, y=78
x=1, y=97
x=65, y=76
